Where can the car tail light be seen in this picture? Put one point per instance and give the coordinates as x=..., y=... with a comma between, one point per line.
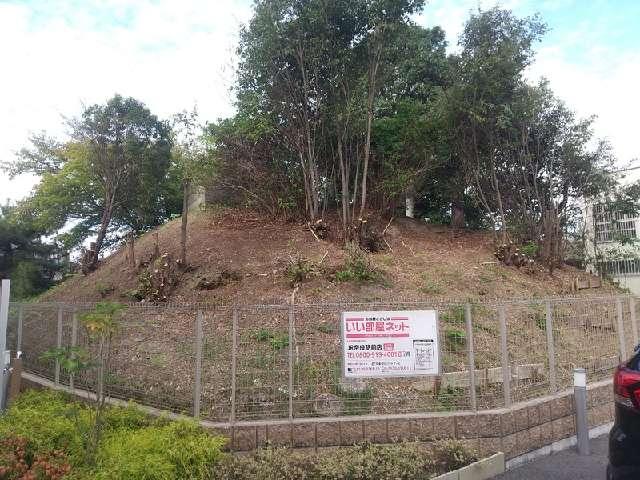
x=626, y=387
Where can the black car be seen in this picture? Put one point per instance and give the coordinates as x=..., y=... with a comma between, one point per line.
x=624, y=439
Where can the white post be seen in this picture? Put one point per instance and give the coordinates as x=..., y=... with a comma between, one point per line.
x=4, y=320
x=580, y=399
x=409, y=206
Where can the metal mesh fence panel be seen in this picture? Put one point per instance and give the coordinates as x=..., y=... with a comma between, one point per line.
x=152, y=359
x=487, y=358
x=262, y=363
x=527, y=347
x=217, y=357
x=585, y=335
x=232, y=364
x=13, y=327
x=39, y=334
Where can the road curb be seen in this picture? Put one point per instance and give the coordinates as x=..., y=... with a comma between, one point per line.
x=481, y=470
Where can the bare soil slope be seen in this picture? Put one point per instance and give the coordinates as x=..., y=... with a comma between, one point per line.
x=423, y=262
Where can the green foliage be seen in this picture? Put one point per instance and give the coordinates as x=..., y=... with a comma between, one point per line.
x=50, y=430
x=115, y=163
x=104, y=289
x=159, y=452
x=429, y=286
x=454, y=315
x=72, y=360
x=530, y=249
x=277, y=340
x=30, y=263
x=447, y=399
x=357, y=267
x=356, y=402
x=103, y=319
x=539, y=316
x=46, y=420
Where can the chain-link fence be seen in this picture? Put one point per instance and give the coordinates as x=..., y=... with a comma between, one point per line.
x=238, y=363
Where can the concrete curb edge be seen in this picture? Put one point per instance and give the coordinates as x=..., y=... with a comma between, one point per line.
x=481, y=470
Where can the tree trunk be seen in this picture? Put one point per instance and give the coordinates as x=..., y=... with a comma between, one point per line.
x=183, y=227
x=373, y=73
x=458, y=220
x=367, y=148
x=104, y=225
x=344, y=179
x=132, y=251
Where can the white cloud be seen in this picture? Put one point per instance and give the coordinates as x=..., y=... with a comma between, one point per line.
x=171, y=55
x=601, y=87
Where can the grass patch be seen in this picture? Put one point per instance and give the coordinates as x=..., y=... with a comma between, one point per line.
x=455, y=338
x=454, y=315
x=326, y=328
x=277, y=340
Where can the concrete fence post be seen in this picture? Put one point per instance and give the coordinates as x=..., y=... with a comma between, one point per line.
x=58, y=345
x=506, y=369
x=580, y=399
x=234, y=362
x=4, y=321
x=291, y=341
x=74, y=343
x=20, y=322
x=471, y=358
x=634, y=322
x=197, y=384
x=551, y=350
x=621, y=339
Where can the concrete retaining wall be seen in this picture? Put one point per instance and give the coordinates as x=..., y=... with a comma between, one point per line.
x=522, y=428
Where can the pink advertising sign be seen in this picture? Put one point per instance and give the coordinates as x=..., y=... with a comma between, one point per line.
x=390, y=343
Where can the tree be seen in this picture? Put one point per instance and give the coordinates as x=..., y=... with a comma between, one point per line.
x=108, y=178
x=496, y=48
x=313, y=70
x=100, y=325
x=191, y=163
x=30, y=263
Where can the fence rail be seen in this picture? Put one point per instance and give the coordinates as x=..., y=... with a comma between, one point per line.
x=235, y=363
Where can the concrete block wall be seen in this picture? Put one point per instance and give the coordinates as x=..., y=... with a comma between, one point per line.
x=517, y=430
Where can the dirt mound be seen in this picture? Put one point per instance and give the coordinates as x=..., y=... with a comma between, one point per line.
x=240, y=257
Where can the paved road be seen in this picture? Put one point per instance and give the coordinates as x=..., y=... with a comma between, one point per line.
x=565, y=465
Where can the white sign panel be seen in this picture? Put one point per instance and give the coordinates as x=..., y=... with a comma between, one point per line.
x=390, y=344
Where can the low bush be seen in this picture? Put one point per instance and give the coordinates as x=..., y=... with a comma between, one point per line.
x=159, y=452
x=18, y=461
x=300, y=269
x=357, y=267
x=402, y=461
x=46, y=420
x=451, y=455
x=43, y=437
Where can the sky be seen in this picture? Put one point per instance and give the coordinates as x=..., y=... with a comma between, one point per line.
x=56, y=56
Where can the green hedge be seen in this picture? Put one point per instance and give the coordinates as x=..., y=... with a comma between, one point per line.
x=135, y=446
